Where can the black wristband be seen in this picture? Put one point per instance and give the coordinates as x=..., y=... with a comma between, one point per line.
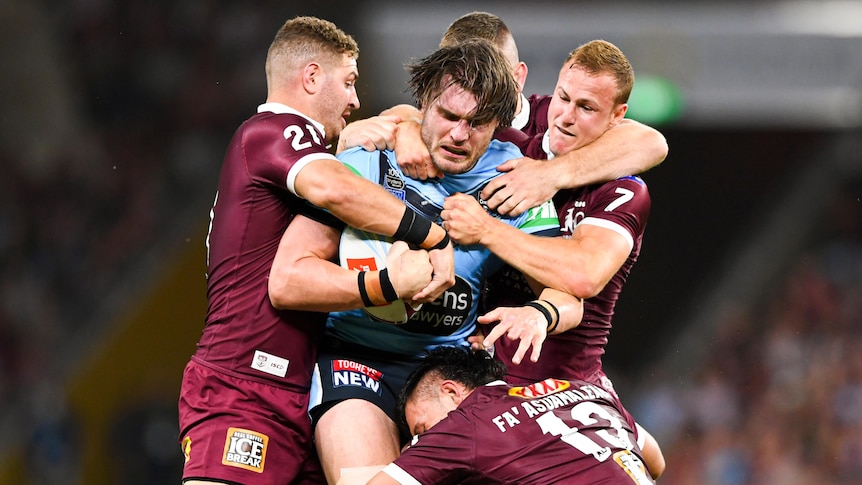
x=406, y=223
x=546, y=308
x=413, y=228
x=363, y=293
x=553, y=326
x=442, y=244
x=386, y=285
x=541, y=308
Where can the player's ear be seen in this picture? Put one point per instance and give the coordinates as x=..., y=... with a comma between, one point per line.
x=312, y=77
x=520, y=74
x=453, y=391
x=619, y=113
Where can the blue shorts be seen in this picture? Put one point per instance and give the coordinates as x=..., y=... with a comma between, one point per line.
x=242, y=431
x=349, y=371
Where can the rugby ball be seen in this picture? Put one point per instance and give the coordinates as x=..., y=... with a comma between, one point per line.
x=364, y=251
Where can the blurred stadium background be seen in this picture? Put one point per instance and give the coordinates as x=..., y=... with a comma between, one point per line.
x=738, y=338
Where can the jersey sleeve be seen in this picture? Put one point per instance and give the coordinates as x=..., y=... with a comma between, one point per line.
x=529, y=145
x=278, y=147
x=622, y=206
x=321, y=215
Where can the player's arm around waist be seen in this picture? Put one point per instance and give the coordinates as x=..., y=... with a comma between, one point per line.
x=303, y=276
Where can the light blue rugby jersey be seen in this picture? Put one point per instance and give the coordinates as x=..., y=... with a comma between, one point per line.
x=451, y=318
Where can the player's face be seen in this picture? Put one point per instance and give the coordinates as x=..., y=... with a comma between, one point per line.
x=424, y=412
x=581, y=109
x=338, y=96
x=454, y=142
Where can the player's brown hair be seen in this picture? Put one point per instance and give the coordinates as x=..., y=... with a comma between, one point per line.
x=475, y=25
x=302, y=39
x=600, y=56
x=477, y=67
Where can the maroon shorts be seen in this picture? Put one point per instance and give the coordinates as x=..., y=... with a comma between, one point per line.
x=242, y=431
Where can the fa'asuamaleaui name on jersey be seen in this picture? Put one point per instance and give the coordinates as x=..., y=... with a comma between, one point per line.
x=555, y=431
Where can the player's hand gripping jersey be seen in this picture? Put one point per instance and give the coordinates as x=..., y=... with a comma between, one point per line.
x=451, y=318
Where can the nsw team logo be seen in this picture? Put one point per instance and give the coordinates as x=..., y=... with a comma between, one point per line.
x=350, y=373
x=246, y=449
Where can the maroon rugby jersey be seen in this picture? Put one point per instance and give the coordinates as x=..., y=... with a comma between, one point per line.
x=538, y=122
x=244, y=334
x=622, y=205
x=554, y=431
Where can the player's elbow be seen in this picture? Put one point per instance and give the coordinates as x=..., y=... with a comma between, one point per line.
x=657, y=467
x=278, y=288
x=583, y=286
x=656, y=143
x=332, y=197
x=652, y=454
x=654, y=460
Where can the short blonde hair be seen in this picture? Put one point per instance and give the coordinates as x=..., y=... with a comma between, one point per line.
x=303, y=39
x=599, y=57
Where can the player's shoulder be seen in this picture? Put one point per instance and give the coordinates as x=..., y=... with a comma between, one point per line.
x=270, y=125
x=359, y=159
x=358, y=153
x=539, y=99
x=275, y=121
x=629, y=193
x=503, y=150
x=633, y=182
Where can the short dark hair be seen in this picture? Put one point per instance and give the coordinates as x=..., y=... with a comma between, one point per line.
x=460, y=364
x=482, y=25
x=477, y=67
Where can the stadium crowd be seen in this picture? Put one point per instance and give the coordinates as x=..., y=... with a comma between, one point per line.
x=777, y=396
x=160, y=86
x=776, y=399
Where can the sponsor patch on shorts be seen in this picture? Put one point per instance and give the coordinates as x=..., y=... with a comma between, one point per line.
x=350, y=373
x=244, y=448
x=187, y=448
x=269, y=363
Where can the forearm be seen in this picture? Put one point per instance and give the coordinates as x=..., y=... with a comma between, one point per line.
x=627, y=149
x=303, y=276
x=570, y=308
x=551, y=261
x=580, y=266
x=406, y=112
x=358, y=202
x=313, y=284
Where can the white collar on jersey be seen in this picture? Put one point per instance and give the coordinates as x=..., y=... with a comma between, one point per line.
x=520, y=120
x=281, y=109
x=546, y=144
